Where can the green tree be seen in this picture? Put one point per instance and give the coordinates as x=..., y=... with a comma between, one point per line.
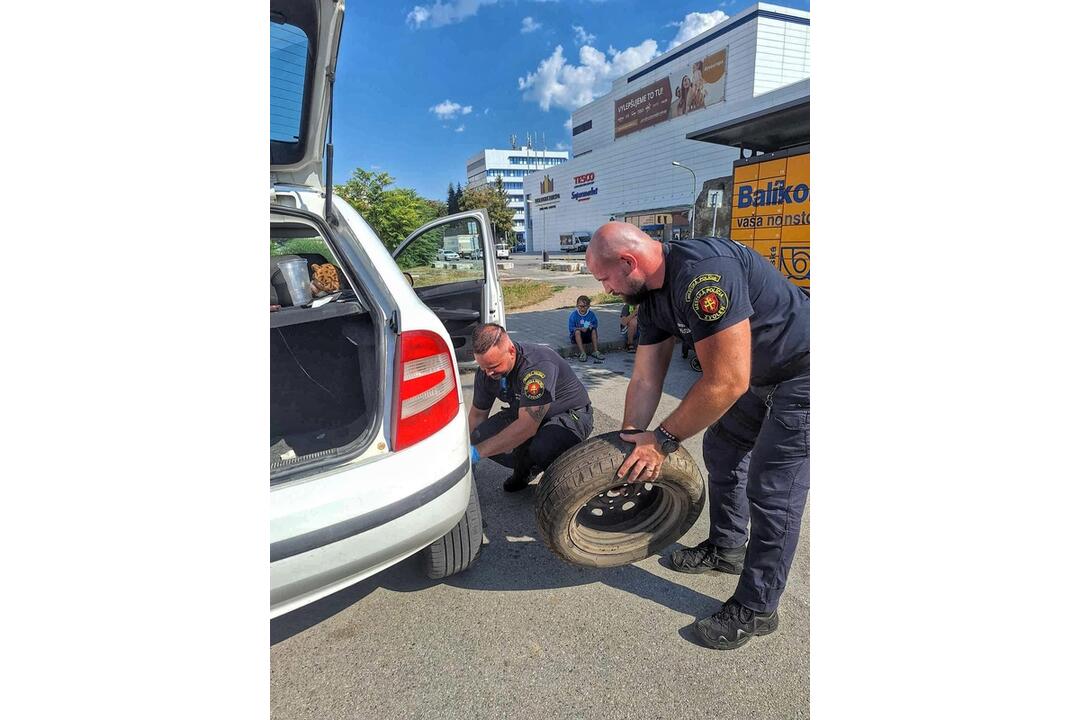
x=504, y=221
x=437, y=206
x=364, y=190
x=393, y=213
x=493, y=199
x=451, y=200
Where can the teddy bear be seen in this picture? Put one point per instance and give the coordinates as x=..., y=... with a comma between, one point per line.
x=324, y=279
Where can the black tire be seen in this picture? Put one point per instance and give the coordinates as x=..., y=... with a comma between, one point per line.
x=583, y=523
x=456, y=550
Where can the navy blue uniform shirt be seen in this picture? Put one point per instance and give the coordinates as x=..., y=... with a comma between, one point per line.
x=540, y=376
x=711, y=284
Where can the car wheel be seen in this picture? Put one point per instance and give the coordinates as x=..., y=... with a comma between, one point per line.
x=587, y=516
x=456, y=550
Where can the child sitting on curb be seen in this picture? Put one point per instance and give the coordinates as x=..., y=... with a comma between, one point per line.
x=584, y=328
x=628, y=327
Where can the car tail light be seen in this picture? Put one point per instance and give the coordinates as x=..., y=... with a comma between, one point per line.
x=426, y=395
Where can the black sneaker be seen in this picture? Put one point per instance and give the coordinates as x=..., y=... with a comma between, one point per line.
x=520, y=480
x=707, y=557
x=734, y=625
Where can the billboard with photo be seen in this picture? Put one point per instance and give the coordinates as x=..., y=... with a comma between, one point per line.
x=695, y=86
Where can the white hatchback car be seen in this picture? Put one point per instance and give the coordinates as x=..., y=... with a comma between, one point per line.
x=369, y=459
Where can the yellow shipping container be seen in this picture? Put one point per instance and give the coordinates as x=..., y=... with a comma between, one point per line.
x=770, y=210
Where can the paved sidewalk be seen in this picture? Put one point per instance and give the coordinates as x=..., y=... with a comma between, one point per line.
x=548, y=327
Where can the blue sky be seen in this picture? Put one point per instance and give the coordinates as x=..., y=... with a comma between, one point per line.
x=423, y=85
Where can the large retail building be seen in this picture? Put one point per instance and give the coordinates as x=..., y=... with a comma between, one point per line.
x=491, y=164
x=739, y=89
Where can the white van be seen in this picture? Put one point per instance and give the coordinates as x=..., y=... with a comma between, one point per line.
x=575, y=241
x=369, y=449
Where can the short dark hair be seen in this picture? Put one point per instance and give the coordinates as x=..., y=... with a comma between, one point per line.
x=485, y=336
x=583, y=299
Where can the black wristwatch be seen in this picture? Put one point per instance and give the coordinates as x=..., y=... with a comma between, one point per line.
x=668, y=442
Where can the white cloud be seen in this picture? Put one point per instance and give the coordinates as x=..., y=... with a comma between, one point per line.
x=528, y=25
x=581, y=36
x=562, y=146
x=694, y=24
x=569, y=124
x=568, y=86
x=460, y=128
x=447, y=110
x=418, y=16
x=448, y=13
x=487, y=110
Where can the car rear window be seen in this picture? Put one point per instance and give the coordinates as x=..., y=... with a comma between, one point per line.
x=288, y=63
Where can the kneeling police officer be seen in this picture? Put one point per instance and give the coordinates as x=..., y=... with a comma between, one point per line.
x=549, y=409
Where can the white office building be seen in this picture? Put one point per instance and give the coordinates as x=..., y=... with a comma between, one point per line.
x=740, y=87
x=512, y=166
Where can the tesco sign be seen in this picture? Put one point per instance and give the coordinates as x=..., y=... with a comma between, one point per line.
x=584, y=179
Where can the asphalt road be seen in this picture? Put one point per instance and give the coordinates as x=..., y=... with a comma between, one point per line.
x=524, y=635
x=528, y=266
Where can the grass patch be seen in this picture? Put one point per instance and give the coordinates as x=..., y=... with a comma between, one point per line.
x=425, y=275
x=604, y=298
x=522, y=293
x=301, y=246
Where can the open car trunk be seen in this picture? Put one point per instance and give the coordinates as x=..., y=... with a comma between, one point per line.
x=324, y=393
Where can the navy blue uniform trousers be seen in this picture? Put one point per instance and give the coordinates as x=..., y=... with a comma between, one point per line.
x=556, y=435
x=758, y=458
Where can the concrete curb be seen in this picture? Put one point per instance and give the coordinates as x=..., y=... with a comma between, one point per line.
x=610, y=346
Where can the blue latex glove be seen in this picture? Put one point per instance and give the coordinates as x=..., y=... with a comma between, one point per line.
x=474, y=454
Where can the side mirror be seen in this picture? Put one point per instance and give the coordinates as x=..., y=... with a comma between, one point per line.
x=408, y=276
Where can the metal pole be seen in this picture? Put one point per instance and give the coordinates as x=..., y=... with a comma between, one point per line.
x=713, y=221
x=693, y=202
x=545, y=238
x=693, y=195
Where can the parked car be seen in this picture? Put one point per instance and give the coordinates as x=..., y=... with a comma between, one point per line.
x=447, y=255
x=369, y=459
x=520, y=247
x=502, y=251
x=576, y=241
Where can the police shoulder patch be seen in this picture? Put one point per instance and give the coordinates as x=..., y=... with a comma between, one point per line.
x=710, y=302
x=533, y=384
x=703, y=278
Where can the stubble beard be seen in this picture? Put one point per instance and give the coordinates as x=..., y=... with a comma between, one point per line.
x=637, y=294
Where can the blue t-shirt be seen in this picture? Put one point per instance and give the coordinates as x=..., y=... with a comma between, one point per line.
x=585, y=322
x=712, y=283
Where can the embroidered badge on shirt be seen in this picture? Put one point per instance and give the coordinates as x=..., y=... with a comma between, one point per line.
x=708, y=299
x=533, y=383
x=704, y=278
x=710, y=302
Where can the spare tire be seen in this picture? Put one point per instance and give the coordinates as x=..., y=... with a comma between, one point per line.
x=587, y=516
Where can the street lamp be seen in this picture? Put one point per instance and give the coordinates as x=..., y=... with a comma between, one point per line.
x=693, y=196
x=536, y=209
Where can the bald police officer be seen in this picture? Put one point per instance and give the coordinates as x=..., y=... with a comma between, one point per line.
x=751, y=330
x=549, y=409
